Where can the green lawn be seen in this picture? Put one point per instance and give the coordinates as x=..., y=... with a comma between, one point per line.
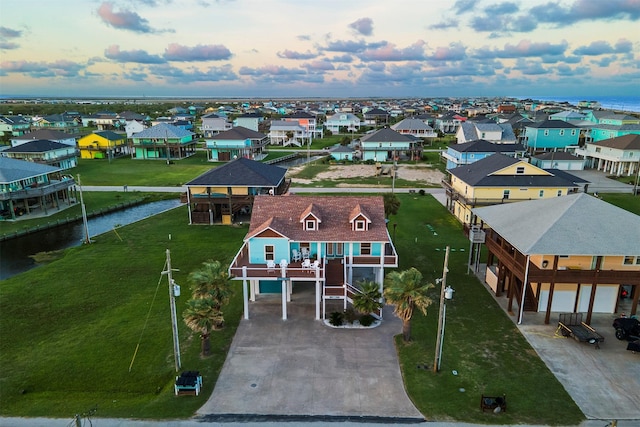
x=624, y=201
x=128, y=171
x=481, y=342
x=69, y=330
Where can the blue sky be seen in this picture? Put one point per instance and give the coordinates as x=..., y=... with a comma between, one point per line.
x=329, y=48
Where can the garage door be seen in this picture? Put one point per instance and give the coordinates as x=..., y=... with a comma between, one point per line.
x=562, y=301
x=605, y=300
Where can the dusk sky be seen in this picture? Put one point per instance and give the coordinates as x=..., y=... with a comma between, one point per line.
x=329, y=48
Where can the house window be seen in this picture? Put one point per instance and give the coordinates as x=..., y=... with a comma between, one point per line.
x=559, y=193
x=339, y=247
x=310, y=224
x=598, y=149
x=541, y=193
x=573, y=132
x=360, y=225
x=505, y=194
x=546, y=132
x=269, y=253
x=520, y=170
x=630, y=260
x=561, y=132
x=365, y=248
x=483, y=135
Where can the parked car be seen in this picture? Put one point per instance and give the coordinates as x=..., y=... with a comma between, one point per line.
x=627, y=328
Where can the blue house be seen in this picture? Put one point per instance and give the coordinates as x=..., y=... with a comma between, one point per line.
x=163, y=141
x=322, y=243
x=387, y=144
x=472, y=151
x=550, y=135
x=236, y=142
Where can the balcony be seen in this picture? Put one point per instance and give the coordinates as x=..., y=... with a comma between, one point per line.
x=39, y=191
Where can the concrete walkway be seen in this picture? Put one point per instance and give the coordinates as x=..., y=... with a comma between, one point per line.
x=300, y=366
x=599, y=183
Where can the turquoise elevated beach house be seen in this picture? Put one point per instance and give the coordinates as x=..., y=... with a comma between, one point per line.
x=321, y=244
x=550, y=135
x=387, y=144
x=163, y=141
x=235, y=143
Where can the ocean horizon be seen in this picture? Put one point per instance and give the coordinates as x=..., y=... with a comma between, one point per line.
x=618, y=103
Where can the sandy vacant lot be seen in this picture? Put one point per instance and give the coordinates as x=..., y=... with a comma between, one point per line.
x=419, y=173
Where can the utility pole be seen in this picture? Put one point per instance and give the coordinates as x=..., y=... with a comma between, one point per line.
x=84, y=214
x=635, y=184
x=174, y=319
x=438, y=356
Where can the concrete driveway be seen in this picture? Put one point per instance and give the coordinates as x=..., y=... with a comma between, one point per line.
x=600, y=183
x=300, y=367
x=603, y=382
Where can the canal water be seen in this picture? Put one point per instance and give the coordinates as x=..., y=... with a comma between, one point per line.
x=15, y=253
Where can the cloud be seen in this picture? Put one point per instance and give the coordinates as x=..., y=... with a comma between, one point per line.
x=125, y=19
x=113, y=52
x=320, y=65
x=342, y=58
x=212, y=52
x=363, y=26
x=584, y=10
x=530, y=68
x=8, y=45
x=453, y=52
x=275, y=74
x=502, y=8
x=304, y=37
x=9, y=33
x=192, y=74
x=290, y=54
x=61, y=68
x=464, y=6
x=389, y=52
x=525, y=48
x=445, y=25
x=351, y=46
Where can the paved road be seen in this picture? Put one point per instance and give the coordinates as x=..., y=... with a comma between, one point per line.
x=292, y=189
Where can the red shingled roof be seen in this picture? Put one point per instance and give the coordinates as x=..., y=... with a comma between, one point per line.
x=282, y=214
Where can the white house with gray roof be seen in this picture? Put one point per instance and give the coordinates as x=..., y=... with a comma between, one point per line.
x=498, y=133
x=164, y=142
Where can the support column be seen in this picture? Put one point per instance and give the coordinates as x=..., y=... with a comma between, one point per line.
x=318, y=298
x=252, y=289
x=245, y=297
x=284, y=300
x=551, y=289
x=592, y=296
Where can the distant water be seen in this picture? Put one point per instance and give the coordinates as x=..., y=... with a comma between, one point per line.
x=620, y=103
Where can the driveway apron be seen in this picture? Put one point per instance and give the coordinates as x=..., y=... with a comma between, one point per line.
x=301, y=366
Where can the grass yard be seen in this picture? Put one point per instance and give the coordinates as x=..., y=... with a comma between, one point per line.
x=68, y=330
x=624, y=201
x=481, y=342
x=128, y=171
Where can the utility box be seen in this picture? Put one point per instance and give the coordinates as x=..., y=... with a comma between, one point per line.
x=226, y=219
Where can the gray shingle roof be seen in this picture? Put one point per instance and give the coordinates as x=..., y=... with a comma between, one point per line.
x=37, y=146
x=163, y=130
x=241, y=173
x=552, y=124
x=386, y=135
x=411, y=124
x=625, y=142
x=50, y=134
x=111, y=136
x=479, y=174
x=12, y=170
x=239, y=133
x=484, y=146
x=576, y=224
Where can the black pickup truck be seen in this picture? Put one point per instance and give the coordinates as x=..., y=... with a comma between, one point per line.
x=628, y=328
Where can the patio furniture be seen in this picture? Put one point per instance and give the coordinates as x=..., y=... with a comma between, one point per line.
x=305, y=253
x=295, y=255
x=188, y=382
x=306, y=264
x=316, y=265
x=283, y=263
x=271, y=266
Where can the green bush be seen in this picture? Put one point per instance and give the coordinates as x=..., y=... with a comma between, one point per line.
x=350, y=315
x=336, y=318
x=367, y=320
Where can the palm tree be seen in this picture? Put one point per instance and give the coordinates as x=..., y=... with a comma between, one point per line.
x=368, y=300
x=406, y=291
x=201, y=315
x=211, y=281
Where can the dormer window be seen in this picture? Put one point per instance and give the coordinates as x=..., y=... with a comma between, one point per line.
x=361, y=225
x=310, y=225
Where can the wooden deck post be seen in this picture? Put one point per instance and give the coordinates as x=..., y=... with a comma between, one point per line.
x=551, y=288
x=245, y=296
x=594, y=285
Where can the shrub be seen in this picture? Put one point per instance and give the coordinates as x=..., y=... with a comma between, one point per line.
x=367, y=320
x=350, y=315
x=336, y=318
x=422, y=192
